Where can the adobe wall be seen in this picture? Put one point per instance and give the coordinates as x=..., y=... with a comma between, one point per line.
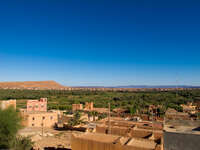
x=140, y=133
x=122, y=131
x=89, y=106
x=80, y=143
x=77, y=107
x=41, y=119
x=121, y=123
x=37, y=105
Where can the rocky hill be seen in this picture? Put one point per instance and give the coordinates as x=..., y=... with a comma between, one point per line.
x=31, y=85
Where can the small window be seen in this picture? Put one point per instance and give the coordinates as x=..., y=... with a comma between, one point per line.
x=33, y=118
x=42, y=124
x=43, y=118
x=51, y=117
x=33, y=125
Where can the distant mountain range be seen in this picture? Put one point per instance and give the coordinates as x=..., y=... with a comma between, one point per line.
x=31, y=85
x=54, y=85
x=158, y=86
x=142, y=86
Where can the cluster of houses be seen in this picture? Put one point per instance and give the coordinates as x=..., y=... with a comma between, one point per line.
x=35, y=114
x=177, y=131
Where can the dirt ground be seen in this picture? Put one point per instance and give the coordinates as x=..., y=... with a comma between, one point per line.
x=48, y=137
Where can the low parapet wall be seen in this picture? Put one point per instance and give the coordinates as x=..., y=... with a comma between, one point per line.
x=115, y=130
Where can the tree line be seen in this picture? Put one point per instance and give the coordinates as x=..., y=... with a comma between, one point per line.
x=63, y=100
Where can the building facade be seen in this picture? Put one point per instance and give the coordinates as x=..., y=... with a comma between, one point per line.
x=76, y=107
x=89, y=106
x=91, y=141
x=40, y=119
x=37, y=105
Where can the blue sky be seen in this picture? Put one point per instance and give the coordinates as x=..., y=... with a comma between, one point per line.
x=101, y=42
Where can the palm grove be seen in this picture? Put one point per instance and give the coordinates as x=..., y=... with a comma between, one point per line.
x=63, y=100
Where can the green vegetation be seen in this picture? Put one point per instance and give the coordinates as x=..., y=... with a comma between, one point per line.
x=76, y=120
x=10, y=123
x=133, y=101
x=198, y=115
x=22, y=143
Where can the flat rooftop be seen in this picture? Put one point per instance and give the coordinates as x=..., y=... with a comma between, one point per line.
x=142, y=143
x=113, y=139
x=106, y=138
x=183, y=126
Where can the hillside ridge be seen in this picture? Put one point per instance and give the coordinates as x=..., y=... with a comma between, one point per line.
x=50, y=84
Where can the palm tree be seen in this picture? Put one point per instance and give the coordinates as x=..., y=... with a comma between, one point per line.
x=89, y=115
x=75, y=120
x=94, y=114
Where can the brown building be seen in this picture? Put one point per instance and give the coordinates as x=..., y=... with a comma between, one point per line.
x=7, y=103
x=36, y=115
x=189, y=108
x=172, y=114
x=89, y=106
x=40, y=119
x=133, y=129
x=37, y=105
x=96, y=141
x=77, y=107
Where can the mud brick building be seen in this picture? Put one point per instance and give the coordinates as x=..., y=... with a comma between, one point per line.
x=37, y=105
x=144, y=130
x=40, y=119
x=89, y=141
x=174, y=115
x=89, y=106
x=76, y=107
x=36, y=114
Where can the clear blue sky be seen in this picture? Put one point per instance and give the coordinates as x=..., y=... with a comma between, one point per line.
x=101, y=42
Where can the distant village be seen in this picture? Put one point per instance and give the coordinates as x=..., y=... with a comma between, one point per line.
x=89, y=128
